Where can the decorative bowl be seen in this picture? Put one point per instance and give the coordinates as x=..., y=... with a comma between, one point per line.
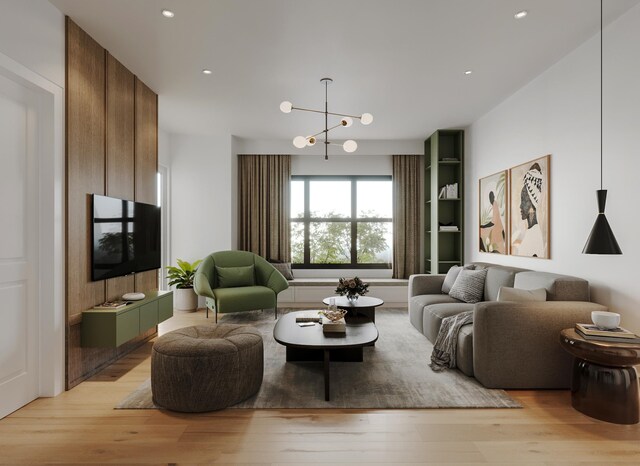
x=334, y=316
x=605, y=320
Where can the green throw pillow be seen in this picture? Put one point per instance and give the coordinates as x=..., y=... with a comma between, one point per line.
x=232, y=277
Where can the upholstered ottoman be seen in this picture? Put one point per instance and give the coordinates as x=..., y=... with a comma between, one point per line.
x=206, y=367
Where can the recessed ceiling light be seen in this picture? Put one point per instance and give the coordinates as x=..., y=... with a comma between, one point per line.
x=206, y=71
x=520, y=14
x=468, y=72
x=168, y=13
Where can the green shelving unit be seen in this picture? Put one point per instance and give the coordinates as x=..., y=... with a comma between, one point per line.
x=444, y=164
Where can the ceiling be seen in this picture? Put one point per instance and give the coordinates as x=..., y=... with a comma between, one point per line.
x=401, y=60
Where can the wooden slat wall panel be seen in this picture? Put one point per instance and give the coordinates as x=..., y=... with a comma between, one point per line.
x=85, y=162
x=103, y=157
x=146, y=143
x=120, y=149
x=146, y=162
x=85, y=126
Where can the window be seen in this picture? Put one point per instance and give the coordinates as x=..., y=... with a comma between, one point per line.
x=341, y=221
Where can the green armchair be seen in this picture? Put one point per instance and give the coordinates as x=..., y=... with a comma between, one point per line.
x=237, y=281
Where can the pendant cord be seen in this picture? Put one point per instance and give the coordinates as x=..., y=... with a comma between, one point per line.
x=326, y=119
x=601, y=92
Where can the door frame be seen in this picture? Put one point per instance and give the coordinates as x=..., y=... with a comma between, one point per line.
x=165, y=196
x=51, y=197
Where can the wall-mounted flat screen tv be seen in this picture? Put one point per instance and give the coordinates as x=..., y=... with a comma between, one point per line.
x=126, y=237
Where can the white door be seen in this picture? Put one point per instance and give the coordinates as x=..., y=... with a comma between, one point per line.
x=18, y=246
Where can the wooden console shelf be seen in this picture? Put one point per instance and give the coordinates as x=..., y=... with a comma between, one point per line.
x=106, y=328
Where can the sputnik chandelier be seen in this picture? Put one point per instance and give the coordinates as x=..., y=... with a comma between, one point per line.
x=346, y=121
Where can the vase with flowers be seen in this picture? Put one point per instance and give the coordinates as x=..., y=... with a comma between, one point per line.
x=352, y=288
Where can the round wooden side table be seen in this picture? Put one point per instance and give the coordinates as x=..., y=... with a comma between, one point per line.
x=605, y=383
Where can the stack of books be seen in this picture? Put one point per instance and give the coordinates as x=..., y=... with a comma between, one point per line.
x=449, y=191
x=336, y=326
x=308, y=316
x=112, y=305
x=616, y=335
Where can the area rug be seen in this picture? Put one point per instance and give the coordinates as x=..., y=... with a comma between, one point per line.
x=395, y=374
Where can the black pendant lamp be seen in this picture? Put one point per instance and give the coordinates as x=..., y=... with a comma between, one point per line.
x=601, y=239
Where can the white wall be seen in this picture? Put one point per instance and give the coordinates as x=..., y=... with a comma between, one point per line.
x=32, y=33
x=201, y=195
x=558, y=113
x=32, y=53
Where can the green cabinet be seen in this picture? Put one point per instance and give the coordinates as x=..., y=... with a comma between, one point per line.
x=106, y=328
x=443, y=211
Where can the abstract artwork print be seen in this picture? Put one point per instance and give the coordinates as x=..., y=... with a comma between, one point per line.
x=529, y=208
x=493, y=213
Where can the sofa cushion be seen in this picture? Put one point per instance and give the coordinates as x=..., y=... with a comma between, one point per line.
x=452, y=275
x=434, y=313
x=464, y=351
x=418, y=303
x=559, y=287
x=498, y=276
x=469, y=286
x=284, y=268
x=516, y=294
x=428, y=299
x=231, y=277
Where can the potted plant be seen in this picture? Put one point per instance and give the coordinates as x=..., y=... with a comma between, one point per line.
x=185, y=299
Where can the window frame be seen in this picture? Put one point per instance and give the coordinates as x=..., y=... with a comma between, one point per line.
x=354, y=220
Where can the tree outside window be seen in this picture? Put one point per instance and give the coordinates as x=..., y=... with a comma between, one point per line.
x=341, y=221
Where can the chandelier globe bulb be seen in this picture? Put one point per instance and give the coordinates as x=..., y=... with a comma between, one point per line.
x=286, y=106
x=366, y=118
x=350, y=146
x=300, y=142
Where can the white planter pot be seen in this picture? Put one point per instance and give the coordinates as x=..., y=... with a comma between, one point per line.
x=185, y=299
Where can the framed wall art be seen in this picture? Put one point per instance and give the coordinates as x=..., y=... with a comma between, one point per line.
x=529, y=208
x=493, y=213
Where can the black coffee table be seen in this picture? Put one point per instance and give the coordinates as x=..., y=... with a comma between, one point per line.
x=365, y=305
x=311, y=344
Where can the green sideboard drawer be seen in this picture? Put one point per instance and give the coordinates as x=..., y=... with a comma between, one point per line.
x=127, y=326
x=112, y=328
x=148, y=316
x=165, y=308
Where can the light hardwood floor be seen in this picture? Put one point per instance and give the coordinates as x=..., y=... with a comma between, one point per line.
x=81, y=426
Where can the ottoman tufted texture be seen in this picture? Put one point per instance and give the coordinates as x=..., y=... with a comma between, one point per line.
x=206, y=367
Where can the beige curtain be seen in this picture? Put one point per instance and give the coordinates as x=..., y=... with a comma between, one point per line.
x=263, y=205
x=407, y=211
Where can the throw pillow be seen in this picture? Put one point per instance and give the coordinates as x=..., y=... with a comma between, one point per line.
x=506, y=293
x=452, y=274
x=232, y=277
x=284, y=268
x=469, y=286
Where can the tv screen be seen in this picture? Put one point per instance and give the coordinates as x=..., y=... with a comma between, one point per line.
x=126, y=237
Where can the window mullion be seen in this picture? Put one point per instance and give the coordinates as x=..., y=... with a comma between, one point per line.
x=354, y=223
x=307, y=225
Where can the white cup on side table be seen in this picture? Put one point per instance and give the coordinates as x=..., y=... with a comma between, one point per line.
x=605, y=320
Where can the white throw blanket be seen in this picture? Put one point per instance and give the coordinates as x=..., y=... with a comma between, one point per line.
x=444, y=350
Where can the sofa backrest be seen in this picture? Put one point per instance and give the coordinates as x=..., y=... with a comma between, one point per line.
x=559, y=287
x=497, y=276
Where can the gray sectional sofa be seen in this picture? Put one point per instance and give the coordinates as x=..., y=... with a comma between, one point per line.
x=511, y=345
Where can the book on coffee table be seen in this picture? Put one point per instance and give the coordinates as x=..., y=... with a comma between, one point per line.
x=337, y=326
x=592, y=330
x=308, y=316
